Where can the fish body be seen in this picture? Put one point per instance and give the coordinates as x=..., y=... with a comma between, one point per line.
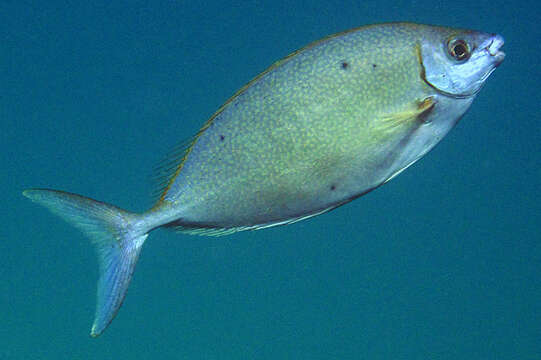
x=319, y=128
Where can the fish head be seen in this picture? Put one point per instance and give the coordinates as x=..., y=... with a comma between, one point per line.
x=457, y=62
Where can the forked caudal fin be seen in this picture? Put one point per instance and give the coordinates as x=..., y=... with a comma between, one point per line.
x=118, y=246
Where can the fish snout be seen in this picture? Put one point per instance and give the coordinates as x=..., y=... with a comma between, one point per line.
x=493, y=48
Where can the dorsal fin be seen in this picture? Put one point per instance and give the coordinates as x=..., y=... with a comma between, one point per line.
x=166, y=170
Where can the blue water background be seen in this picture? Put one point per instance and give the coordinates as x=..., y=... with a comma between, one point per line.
x=443, y=262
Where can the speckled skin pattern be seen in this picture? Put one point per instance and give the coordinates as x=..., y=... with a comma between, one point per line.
x=316, y=130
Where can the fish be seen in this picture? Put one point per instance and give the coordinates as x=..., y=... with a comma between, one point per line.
x=317, y=129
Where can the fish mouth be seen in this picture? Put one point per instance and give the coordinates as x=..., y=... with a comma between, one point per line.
x=493, y=48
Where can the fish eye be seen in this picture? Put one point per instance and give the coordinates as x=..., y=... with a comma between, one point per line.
x=458, y=49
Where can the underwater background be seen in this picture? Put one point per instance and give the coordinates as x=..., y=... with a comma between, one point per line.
x=443, y=262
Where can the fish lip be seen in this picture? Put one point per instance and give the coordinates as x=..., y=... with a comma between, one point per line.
x=493, y=48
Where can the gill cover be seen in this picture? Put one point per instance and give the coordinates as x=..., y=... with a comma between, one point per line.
x=457, y=64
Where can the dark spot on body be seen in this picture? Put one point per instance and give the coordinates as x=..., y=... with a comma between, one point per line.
x=344, y=65
x=222, y=138
x=333, y=187
x=374, y=66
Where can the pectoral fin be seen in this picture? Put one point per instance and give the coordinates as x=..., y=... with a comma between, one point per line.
x=416, y=113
